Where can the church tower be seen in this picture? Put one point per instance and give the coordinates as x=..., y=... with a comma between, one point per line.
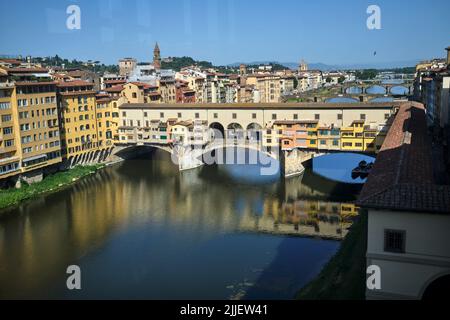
x=303, y=66
x=157, y=57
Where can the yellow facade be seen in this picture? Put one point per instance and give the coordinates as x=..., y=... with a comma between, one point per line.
x=107, y=122
x=352, y=138
x=9, y=155
x=370, y=136
x=311, y=128
x=79, y=126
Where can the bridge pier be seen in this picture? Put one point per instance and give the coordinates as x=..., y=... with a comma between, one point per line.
x=187, y=157
x=291, y=161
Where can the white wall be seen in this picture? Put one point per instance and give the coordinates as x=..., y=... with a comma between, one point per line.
x=427, y=252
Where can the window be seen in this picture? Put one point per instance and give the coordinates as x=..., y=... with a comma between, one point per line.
x=234, y=115
x=161, y=114
x=386, y=116
x=274, y=116
x=362, y=116
x=124, y=114
x=5, y=105
x=317, y=116
x=197, y=115
x=394, y=241
x=253, y=115
x=295, y=116
x=215, y=115
x=9, y=143
x=339, y=116
x=145, y=114
x=179, y=115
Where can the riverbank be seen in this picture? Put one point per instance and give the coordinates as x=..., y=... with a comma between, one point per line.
x=51, y=183
x=344, y=276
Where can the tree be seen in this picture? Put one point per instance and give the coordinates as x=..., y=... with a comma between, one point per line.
x=295, y=82
x=341, y=79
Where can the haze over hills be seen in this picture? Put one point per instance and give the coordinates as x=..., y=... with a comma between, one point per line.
x=327, y=67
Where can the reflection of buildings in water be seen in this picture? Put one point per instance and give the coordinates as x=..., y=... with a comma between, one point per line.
x=51, y=232
x=307, y=218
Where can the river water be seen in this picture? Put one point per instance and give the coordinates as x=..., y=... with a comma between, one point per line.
x=141, y=229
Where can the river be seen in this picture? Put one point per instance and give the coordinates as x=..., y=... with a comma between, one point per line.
x=141, y=229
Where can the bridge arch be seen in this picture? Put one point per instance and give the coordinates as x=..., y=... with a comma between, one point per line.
x=219, y=127
x=376, y=89
x=235, y=131
x=353, y=89
x=124, y=151
x=254, y=131
x=399, y=90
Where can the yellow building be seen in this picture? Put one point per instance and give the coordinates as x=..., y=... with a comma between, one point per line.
x=167, y=90
x=370, y=136
x=29, y=128
x=77, y=107
x=9, y=155
x=352, y=138
x=139, y=92
x=107, y=121
x=311, y=128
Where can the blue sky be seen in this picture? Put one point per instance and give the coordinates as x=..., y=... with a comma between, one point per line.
x=227, y=31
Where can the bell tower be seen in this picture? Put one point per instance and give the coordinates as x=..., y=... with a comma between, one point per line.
x=157, y=57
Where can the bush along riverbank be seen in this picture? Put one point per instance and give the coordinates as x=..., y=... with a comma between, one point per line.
x=51, y=183
x=344, y=276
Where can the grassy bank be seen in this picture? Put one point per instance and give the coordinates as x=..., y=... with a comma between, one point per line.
x=344, y=276
x=50, y=183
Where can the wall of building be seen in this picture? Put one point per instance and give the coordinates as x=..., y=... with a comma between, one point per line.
x=426, y=253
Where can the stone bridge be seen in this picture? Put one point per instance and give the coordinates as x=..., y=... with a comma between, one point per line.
x=288, y=163
x=365, y=85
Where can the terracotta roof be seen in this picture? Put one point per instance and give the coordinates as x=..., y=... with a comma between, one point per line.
x=118, y=88
x=26, y=70
x=33, y=83
x=78, y=92
x=114, y=81
x=402, y=176
x=75, y=83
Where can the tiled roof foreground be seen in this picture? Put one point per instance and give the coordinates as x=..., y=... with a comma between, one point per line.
x=402, y=176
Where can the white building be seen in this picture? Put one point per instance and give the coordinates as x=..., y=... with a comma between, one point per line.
x=408, y=235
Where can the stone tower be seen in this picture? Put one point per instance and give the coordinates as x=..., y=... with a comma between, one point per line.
x=157, y=57
x=242, y=70
x=303, y=66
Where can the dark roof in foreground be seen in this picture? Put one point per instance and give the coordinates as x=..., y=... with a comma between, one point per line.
x=402, y=176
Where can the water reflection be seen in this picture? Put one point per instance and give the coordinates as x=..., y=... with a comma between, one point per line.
x=342, y=100
x=143, y=230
